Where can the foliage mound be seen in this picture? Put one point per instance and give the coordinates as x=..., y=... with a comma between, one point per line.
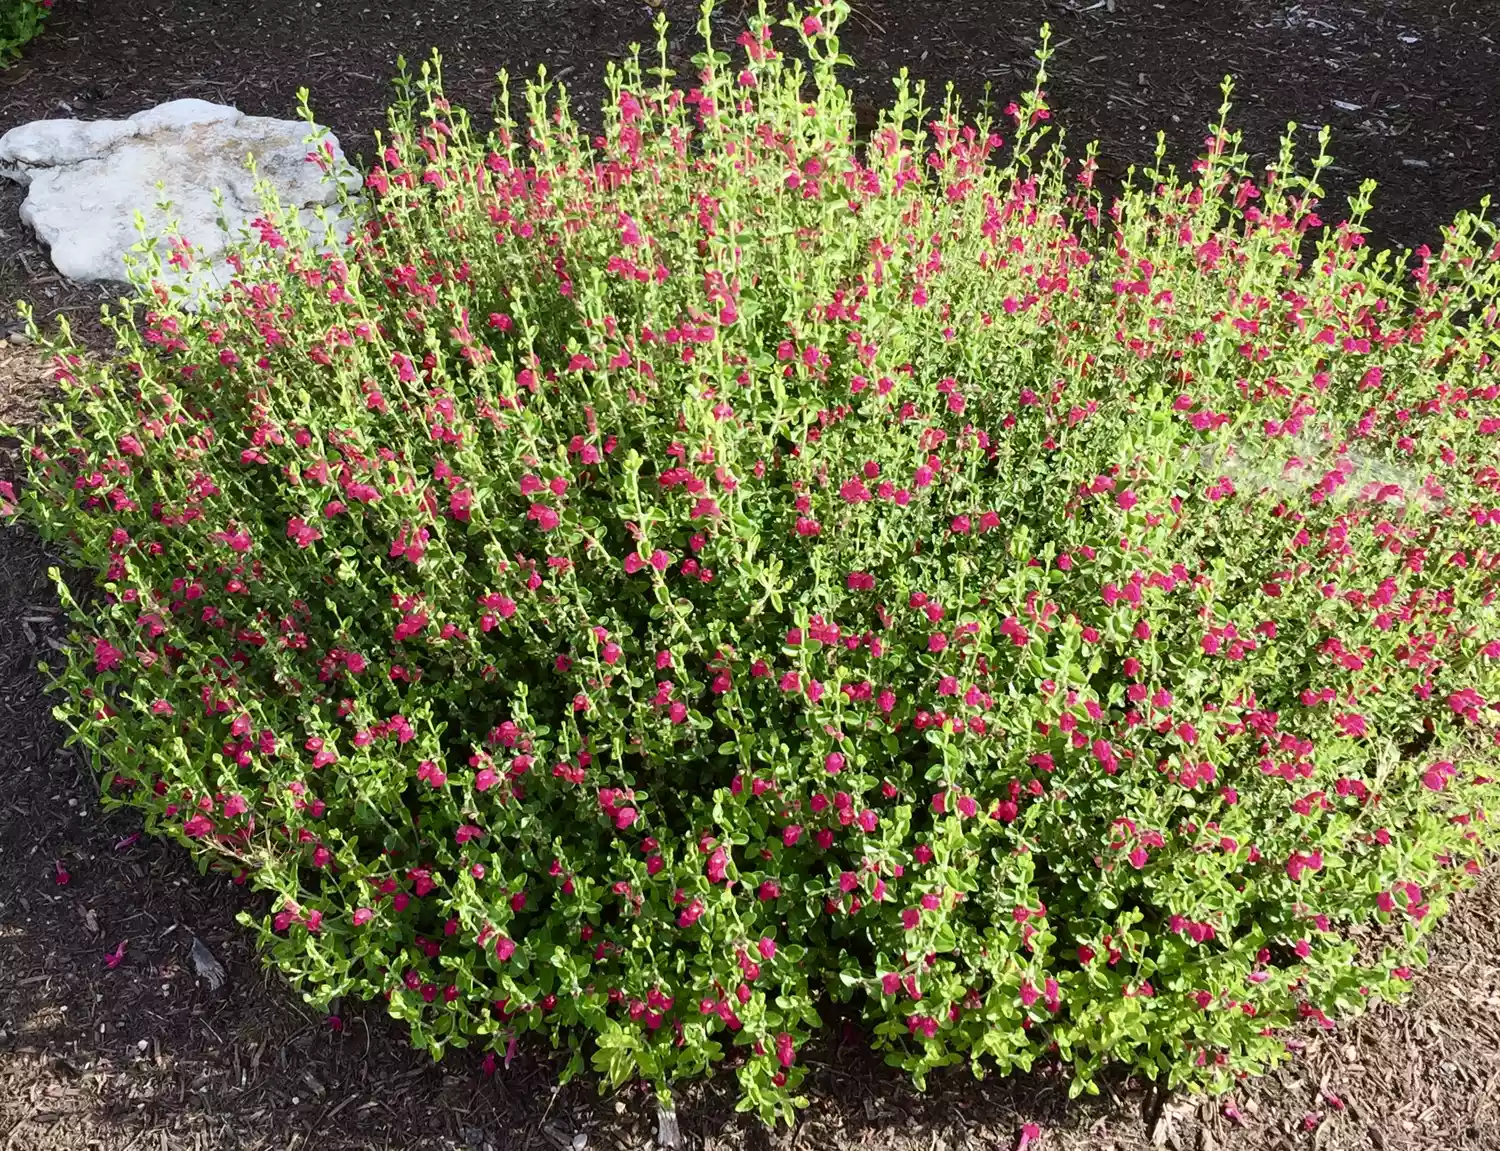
x=667, y=591
x=21, y=22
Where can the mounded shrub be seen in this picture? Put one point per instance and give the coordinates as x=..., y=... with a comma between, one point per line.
x=21, y=22
x=661, y=591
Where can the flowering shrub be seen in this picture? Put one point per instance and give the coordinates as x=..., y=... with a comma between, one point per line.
x=655, y=591
x=20, y=23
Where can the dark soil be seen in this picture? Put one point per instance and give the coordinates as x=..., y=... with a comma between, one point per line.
x=147, y=1056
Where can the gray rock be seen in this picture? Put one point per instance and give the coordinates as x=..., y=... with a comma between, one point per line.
x=86, y=180
x=208, y=968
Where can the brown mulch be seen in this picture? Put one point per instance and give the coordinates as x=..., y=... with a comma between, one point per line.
x=147, y=1056
x=24, y=381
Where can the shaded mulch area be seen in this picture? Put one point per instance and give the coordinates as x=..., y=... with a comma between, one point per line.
x=147, y=1055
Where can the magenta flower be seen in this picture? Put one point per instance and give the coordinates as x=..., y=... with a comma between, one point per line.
x=717, y=868
x=1299, y=863
x=107, y=657
x=1351, y=724
x=302, y=533
x=786, y=1051
x=198, y=826
x=543, y=516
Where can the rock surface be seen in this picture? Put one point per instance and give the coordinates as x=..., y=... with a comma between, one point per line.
x=86, y=180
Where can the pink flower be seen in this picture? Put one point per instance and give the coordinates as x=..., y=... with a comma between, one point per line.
x=412, y=623
x=1351, y=724
x=718, y=866
x=117, y=956
x=60, y=873
x=302, y=533
x=107, y=657
x=543, y=516
x=198, y=826
x=238, y=541
x=786, y=1050
x=505, y=947
x=362, y=915
x=1436, y=777
x=1030, y=1133
x=1299, y=862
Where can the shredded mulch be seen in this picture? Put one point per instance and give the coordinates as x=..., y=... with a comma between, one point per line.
x=149, y=1055
x=24, y=382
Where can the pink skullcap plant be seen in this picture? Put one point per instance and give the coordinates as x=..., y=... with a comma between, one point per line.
x=649, y=593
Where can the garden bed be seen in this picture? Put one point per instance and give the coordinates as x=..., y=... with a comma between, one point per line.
x=245, y=1065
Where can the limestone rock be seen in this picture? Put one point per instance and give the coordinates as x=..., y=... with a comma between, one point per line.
x=86, y=180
